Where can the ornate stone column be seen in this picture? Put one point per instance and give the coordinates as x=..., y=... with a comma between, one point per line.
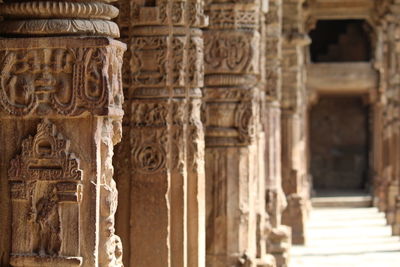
x=60, y=116
x=294, y=120
x=163, y=219
x=391, y=115
x=279, y=240
x=232, y=105
x=377, y=117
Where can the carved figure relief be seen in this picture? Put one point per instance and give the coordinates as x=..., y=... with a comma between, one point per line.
x=57, y=80
x=45, y=179
x=46, y=217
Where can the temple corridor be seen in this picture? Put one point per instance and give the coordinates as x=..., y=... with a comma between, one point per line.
x=197, y=133
x=347, y=236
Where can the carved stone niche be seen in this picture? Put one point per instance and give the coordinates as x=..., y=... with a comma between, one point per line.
x=46, y=192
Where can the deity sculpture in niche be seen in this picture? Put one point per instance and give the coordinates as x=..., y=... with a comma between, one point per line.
x=46, y=222
x=45, y=183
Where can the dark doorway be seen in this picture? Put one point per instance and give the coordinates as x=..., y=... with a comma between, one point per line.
x=341, y=41
x=339, y=143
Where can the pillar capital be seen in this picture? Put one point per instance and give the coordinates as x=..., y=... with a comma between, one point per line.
x=55, y=18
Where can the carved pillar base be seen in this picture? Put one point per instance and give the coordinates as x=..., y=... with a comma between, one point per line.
x=294, y=175
x=295, y=215
x=266, y=261
x=60, y=116
x=229, y=200
x=396, y=220
x=392, y=193
x=382, y=194
x=279, y=244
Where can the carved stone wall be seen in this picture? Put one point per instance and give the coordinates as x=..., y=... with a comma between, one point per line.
x=161, y=158
x=60, y=111
x=294, y=119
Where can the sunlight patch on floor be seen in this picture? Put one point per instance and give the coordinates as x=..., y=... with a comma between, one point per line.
x=347, y=237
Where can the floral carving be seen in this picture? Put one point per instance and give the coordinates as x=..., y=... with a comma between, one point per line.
x=42, y=27
x=229, y=53
x=148, y=62
x=149, y=114
x=244, y=117
x=149, y=155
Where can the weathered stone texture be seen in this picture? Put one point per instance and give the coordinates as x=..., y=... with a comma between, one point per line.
x=388, y=191
x=279, y=240
x=163, y=216
x=213, y=165
x=57, y=115
x=294, y=120
x=60, y=117
x=237, y=220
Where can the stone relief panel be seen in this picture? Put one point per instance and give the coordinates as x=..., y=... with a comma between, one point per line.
x=46, y=192
x=239, y=16
x=231, y=52
x=63, y=81
x=181, y=12
x=148, y=62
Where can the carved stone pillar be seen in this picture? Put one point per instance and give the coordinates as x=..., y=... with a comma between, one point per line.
x=279, y=240
x=60, y=117
x=377, y=111
x=163, y=219
x=378, y=157
x=232, y=96
x=392, y=125
x=294, y=120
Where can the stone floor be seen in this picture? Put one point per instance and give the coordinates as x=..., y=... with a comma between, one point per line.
x=347, y=237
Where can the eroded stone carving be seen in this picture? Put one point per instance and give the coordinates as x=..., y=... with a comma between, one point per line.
x=234, y=138
x=295, y=175
x=45, y=184
x=164, y=137
x=110, y=243
x=62, y=81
